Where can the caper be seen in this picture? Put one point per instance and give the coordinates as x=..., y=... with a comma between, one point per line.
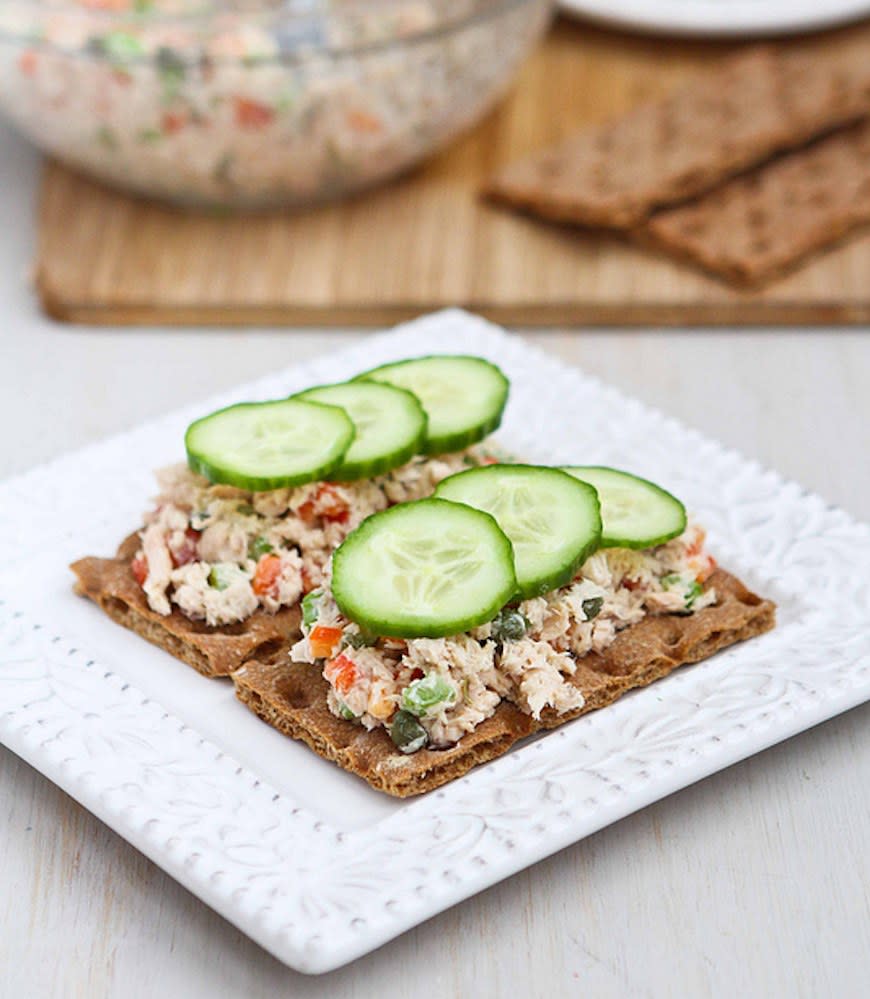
x=509, y=625
x=592, y=607
x=407, y=733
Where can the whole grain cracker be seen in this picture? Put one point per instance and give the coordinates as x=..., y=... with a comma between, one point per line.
x=739, y=113
x=292, y=696
x=760, y=225
x=213, y=651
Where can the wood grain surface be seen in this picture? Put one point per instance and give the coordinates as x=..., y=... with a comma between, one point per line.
x=427, y=240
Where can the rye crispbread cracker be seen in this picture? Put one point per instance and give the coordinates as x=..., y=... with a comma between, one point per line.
x=292, y=696
x=757, y=226
x=214, y=651
x=729, y=118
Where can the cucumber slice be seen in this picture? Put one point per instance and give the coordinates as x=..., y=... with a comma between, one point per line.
x=424, y=569
x=553, y=526
x=269, y=445
x=464, y=397
x=390, y=426
x=636, y=513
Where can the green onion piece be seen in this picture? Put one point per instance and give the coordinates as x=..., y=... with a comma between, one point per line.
x=592, y=607
x=420, y=696
x=258, y=548
x=311, y=607
x=407, y=733
x=345, y=711
x=357, y=640
x=224, y=574
x=121, y=47
x=692, y=593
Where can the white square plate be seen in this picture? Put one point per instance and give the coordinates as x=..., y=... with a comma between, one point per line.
x=309, y=861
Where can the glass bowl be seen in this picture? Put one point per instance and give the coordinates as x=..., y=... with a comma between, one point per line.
x=258, y=103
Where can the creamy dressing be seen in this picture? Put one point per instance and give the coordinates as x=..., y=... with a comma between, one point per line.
x=614, y=589
x=218, y=553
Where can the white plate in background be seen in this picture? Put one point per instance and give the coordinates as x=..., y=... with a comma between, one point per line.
x=720, y=18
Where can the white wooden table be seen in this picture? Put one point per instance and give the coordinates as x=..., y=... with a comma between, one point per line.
x=754, y=882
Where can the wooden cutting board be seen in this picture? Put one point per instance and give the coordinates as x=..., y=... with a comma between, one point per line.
x=426, y=240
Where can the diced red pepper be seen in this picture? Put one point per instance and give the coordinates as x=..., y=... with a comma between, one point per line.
x=252, y=114
x=331, y=505
x=364, y=121
x=27, y=62
x=327, y=503
x=341, y=673
x=186, y=551
x=308, y=583
x=139, y=568
x=266, y=574
x=172, y=122
x=417, y=674
x=708, y=569
x=696, y=547
x=489, y=460
x=323, y=641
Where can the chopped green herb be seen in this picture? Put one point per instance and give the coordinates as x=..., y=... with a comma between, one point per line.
x=285, y=103
x=692, y=593
x=592, y=607
x=150, y=135
x=106, y=137
x=172, y=69
x=420, y=696
x=407, y=733
x=222, y=170
x=258, y=548
x=691, y=589
x=120, y=47
x=357, y=640
x=345, y=711
x=223, y=575
x=245, y=509
x=311, y=607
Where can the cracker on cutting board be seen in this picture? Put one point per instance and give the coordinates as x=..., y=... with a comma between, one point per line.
x=757, y=226
x=737, y=114
x=213, y=651
x=292, y=696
